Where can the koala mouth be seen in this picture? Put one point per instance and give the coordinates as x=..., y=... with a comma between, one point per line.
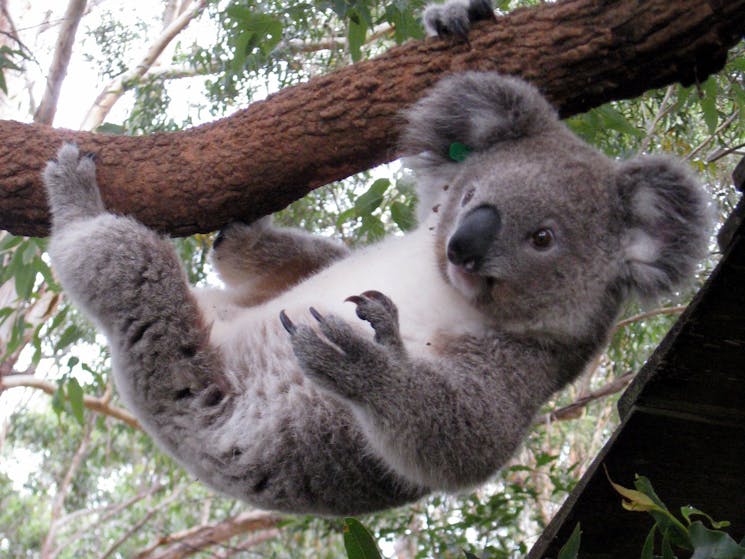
x=468, y=283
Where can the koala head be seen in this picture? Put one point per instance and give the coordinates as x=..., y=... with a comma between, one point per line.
x=534, y=226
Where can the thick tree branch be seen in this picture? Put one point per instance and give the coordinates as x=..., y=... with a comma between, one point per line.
x=581, y=53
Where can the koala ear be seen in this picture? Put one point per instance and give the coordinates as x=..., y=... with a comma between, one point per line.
x=667, y=220
x=475, y=110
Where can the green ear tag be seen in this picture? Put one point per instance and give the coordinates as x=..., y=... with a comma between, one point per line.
x=458, y=152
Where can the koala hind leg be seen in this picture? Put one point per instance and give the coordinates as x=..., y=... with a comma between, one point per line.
x=262, y=260
x=453, y=18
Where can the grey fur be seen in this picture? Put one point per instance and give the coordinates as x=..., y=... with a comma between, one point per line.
x=344, y=408
x=454, y=17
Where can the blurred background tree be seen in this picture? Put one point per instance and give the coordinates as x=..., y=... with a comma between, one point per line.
x=78, y=478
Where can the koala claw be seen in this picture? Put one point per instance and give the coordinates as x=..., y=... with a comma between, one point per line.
x=382, y=314
x=287, y=323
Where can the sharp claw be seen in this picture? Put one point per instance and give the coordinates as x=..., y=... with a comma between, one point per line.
x=372, y=294
x=318, y=316
x=356, y=299
x=287, y=323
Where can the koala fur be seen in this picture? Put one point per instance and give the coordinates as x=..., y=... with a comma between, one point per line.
x=320, y=381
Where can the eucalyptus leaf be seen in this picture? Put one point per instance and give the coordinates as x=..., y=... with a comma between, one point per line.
x=713, y=544
x=75, y=396
x=570, y=550
x=358, y=542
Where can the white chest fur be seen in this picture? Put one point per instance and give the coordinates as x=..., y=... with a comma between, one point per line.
x=403, y=268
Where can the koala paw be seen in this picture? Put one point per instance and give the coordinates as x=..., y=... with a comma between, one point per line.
x=239, y=234
x=71, y=186
x=382, y=314
x=341, y=360
x=454, y=17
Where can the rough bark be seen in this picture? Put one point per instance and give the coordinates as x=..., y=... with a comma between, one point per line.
x=581, y=53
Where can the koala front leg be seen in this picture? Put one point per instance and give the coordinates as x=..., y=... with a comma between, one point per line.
x=447, y=424
x=129, y=280
x=262, y=260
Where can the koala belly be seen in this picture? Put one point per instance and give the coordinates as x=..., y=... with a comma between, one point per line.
x=288, y=441
x=289, y=446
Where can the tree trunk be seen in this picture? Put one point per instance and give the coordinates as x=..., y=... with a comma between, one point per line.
x=580, y=53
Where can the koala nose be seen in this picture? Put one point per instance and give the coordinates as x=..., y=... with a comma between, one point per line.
x=475, y=234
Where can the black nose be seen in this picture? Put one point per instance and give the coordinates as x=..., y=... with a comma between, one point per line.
x=475, y=234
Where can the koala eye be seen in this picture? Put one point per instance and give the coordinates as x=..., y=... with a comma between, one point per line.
x=542, y=239
x=467, y=196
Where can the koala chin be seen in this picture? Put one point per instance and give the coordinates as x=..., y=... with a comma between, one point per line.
x=329, y=382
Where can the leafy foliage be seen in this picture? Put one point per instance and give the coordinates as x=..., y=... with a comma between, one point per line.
x=686, y=534
x=126, y=494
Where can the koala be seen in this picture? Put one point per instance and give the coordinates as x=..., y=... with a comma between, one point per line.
x=336, y=383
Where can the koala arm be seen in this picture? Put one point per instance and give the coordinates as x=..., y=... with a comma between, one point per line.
x=447, y=423
x=261, y=260
x=130, y=280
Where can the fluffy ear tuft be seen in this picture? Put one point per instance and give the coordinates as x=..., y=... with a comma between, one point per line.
x=475, y=109
x=667, y=218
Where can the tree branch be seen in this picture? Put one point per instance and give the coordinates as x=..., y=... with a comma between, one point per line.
x=47, y=549
x=191, y=541
x=574, y=410
x=580, y=53
x=114, y=89
x=98, y=405
x=58, y=70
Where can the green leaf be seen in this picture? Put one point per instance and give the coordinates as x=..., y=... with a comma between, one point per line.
x=648, y=548
x=570, y=550
x=643, y=484
x=356, y=34
x=713, y=544
x=469, y=555
x=58, y=399
x=373, y=227
x=25, y=278
x=615, y=120
x=368, y=202
x=403, y=216
x=667, y=549
x=544, y=458
x=345, y=216
x=75, y=397
x=689, y=511
x=708, y=103
x=10, y=241
x=358, y=542
x=404, y=22
x=71, y=334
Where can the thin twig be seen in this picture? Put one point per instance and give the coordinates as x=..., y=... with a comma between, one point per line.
x=47, y=552
x=99, y=405
x=574, y=409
